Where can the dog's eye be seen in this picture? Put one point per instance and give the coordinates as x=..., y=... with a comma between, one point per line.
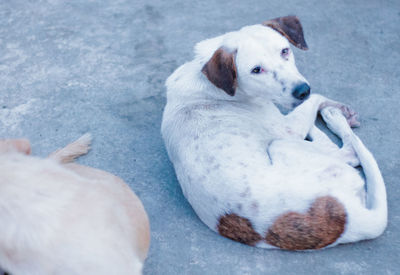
x=285, y=52
x=256, y=70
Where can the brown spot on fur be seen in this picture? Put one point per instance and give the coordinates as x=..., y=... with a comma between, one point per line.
x=322, y=225
x=238, y=229
x=290, y=27
x=221, y=70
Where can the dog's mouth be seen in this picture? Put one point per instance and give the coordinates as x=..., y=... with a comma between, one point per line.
x=297, y=103
x=288, y=105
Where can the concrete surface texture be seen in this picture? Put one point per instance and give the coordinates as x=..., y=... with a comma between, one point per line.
x=71, y=67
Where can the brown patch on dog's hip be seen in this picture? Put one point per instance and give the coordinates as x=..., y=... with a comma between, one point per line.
x=238, y=229
x=322, y=225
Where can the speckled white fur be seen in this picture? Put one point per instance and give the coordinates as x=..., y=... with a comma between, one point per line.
x=240, y=154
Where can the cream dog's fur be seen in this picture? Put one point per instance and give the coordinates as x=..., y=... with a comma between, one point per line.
x=58, y=217
x=246, y=168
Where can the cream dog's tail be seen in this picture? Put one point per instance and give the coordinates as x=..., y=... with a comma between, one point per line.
x=73, y=150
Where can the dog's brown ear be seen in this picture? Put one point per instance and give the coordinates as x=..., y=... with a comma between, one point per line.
x=290, y=27
x=221, y=70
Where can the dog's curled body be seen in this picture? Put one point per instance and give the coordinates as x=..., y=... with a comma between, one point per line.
x=246, y=169
x=64, y=218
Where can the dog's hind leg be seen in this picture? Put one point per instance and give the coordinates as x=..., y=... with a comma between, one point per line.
x=368, y=221
x=73, y=150
x=322, y=140
x=325, y=145
x=346, y=152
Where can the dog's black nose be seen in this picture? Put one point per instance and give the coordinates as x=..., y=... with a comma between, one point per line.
x=301, y=91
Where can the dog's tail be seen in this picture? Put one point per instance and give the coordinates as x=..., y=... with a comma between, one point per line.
x=367, y=221
x=376, y=191
x=364, y=220
x=73, y=150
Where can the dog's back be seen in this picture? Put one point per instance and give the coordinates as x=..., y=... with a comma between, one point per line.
x=67, y=218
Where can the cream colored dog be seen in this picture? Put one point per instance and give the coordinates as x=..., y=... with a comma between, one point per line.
x=246, y=168
x=62, y=218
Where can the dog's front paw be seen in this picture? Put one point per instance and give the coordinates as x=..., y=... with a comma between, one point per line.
x=350, y=115
x=335, y=119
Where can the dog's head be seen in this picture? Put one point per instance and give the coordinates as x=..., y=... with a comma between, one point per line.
x=15, y=145
x=257, y=61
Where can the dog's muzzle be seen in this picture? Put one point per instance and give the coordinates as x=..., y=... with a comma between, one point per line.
x=301, y=91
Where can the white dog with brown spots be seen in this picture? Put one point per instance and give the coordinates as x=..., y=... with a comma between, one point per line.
x=58, y=217
x=246, y=168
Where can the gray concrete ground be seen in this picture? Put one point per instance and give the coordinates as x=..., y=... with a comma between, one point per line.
x=71, y=67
